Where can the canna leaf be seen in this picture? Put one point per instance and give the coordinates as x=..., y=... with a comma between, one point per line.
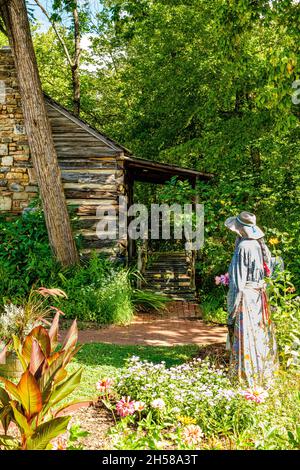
x=41, y=335
x=46, y=432
x=67, y=406
x=30, y=395
x=4, y=397
x=21, y=420
x=9, y=442
x=6, y=417
x=37, y=357
x=64, y=389
x=53, y=332
x=18, y=351
x=11, y=388
x=71, y=338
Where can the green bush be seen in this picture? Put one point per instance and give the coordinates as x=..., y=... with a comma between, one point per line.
x=285, y=309
x=98, y=290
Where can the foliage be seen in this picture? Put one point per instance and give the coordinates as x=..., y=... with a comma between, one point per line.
x=285, y=306
x=195, y=406
x=97, y=289
x=20, y=320
x=213, y=307
x=99, y=292
x=144, y=300
x=25, y=255
x=32, y=403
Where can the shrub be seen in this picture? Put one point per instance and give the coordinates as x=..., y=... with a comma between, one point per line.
x=97, y=289
x=32, y=404
x=285, y=307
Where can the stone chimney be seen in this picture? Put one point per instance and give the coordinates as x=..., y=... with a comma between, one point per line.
x=17, y=181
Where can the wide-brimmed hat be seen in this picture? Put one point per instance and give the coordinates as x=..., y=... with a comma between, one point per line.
x=244, y=225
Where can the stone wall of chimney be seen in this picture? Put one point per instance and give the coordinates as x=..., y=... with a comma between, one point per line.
x=17, y=179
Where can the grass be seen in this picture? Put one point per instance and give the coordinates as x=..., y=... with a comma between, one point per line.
x=106, y=360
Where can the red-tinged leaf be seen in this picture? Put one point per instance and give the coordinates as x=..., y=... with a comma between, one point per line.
x=57, y=310
x=52, y=292
x=41, y=335
x=54, y=356
x=37, y=357
x=60, y=376
x=3, y=354
x=21, y=420
x=4, y=397
x=70, y=354
x=30, y=395
x=67, y=407
x=53, y=332
x=6, y=417
x=71, y=338
x=11, y=388
x=48, y=376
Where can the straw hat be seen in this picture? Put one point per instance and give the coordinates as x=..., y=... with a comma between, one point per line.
x=245, y=226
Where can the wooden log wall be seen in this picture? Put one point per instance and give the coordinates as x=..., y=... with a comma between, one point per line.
x=90, y=175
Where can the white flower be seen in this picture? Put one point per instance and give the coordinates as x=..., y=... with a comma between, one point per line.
x=158, y=404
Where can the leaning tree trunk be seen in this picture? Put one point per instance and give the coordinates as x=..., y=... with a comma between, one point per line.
x=76, y=64
x=39, y=132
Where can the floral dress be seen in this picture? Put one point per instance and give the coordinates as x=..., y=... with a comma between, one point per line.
x=252, y=344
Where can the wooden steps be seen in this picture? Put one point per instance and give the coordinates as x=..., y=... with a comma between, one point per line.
x=170, y=274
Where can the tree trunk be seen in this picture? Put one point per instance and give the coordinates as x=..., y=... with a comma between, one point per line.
x=39, y=132
x=76, y=66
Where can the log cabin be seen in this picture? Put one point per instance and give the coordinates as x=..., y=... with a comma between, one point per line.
x=95, y=170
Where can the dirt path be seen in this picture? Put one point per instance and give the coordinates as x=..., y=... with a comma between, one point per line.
x=153, y=331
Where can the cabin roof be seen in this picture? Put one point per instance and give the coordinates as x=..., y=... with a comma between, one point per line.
x=154, y=172
x=91, y=130
x=140, y=169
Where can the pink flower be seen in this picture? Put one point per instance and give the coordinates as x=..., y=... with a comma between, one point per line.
x=139, y=406
x=192, y=435
x=104, y=385
x=222, y=279
x=258, y=396
x=158, y=404
x=60, y=443
x=125, y=407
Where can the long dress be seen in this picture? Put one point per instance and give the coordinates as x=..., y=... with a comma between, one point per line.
x=253, y=345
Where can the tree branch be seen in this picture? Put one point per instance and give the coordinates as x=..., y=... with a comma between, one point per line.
x=59, y=37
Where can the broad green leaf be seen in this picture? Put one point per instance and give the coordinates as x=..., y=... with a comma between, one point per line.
x=4, y=397
x=46, y=432
x=21, y=420
x=18, y=350
x=6, y=417
x=11, y=388
x=30, y=395
x=64, y=389
x=9, y=442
